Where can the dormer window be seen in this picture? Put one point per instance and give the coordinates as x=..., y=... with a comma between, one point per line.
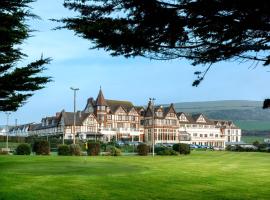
x=201, y=119
x=172, y=115
x=183, y=118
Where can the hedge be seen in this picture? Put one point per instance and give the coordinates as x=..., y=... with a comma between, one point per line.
x=182, y=148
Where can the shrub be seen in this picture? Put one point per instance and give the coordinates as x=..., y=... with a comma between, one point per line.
x=63, y=150
x=143, y=149
x=238, y=148
x=167, y=152
x=182, y=148
x=93, y=148
x=23, y=149
x=229, y=148
x=41, y=147
x=75, y=149
x=160, y=149
x=114, y=151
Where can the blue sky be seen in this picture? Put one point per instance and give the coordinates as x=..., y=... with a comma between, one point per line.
x=134, y=79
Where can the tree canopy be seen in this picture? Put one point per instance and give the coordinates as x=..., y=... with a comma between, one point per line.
x=203, y=31
x=17, y=83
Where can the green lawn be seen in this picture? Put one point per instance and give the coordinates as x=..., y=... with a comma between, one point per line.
x=202, y=175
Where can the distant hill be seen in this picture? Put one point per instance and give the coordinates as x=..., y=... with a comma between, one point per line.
x=248, y=115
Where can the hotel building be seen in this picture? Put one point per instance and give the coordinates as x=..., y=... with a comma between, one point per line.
x=108, y=120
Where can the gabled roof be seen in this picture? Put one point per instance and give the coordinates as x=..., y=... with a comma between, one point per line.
x=69, y=118
x=169, y=109
x=90, y=103
x=225, y=123
x=165, y=111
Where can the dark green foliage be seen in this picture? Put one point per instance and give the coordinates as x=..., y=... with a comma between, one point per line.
x=266, y=103
x=205, y=31
x=256, y=143
x=41, y=147
x=23, y=149
x=75, y=149
x=63, y=150
x=143, y=149
x=239, y=148
x=17, y=83
x=93, y=148
x=182, y=148
x=167, y=152
x=229, y=148
x=114, y=151
x=160, y=149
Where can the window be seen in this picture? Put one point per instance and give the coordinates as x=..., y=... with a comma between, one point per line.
x=211, y=134
x=216, y=135
x=195, y=134
x=183, y=117
x=159, y=114
x=120, y=125
x=201, y=135
x=173, y=122
x=205, y=135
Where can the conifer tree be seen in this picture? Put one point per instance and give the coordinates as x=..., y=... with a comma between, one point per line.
x=17, y=83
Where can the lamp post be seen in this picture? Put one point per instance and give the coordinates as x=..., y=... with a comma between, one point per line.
x=7, y=113
x=153, y=125
x=74, y=118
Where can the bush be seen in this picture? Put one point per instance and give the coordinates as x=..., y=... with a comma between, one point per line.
x=23, y=149
x=182, y=148
x=93, y=148
x=114, y=151
x=160, y=149
x=167, y=152
x=143, y=149
x=229, y=148
x=41, y=147
x=75, y=149
x=63, y=150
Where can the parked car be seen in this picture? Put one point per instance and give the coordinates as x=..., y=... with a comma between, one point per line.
x=120, y=143
x=193, y=146
x=167, y=144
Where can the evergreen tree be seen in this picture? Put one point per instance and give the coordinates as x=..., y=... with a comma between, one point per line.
x=17, y=83
x=203, y=31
